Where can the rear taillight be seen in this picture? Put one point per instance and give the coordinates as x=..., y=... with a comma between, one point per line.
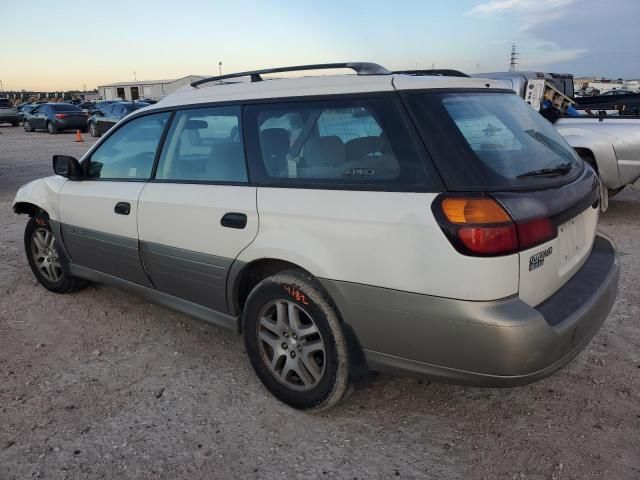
x=480, y=226
x=61, y=115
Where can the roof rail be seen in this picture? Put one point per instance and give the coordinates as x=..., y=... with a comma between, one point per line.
x=434, y=72
x=361, y=68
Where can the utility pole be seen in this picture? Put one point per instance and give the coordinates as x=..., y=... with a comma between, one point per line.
x=220, y=68
x=513, y=58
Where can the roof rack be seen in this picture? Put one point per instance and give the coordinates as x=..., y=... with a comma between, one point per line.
x=434, y=72
x=361, y=68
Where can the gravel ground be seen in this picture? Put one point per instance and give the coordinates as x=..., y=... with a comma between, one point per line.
x=101, y=384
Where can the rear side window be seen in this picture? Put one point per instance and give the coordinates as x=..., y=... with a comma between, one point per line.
x=204, y=145
x=492, y=141
x=363, y=142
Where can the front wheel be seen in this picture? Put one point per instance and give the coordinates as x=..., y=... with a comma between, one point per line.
x=27, y=126
x=48, y=265
x=295, y=341
x=16, y=123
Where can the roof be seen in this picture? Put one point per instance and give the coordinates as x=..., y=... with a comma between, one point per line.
x=148, y=82
x=314, y=85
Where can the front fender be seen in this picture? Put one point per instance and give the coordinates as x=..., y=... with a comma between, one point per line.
x=43, y=193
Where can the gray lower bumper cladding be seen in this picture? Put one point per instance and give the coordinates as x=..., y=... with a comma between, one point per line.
x=498, y=343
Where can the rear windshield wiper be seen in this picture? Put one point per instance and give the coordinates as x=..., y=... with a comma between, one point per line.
x=559, y=170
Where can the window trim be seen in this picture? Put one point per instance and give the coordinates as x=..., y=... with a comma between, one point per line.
x=175, y=111
x=86, y=161
x=395, y=95
x=254, y=157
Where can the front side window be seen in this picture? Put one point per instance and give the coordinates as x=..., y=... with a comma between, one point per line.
x=129, y=152
x=335, y=142
x=204, y=145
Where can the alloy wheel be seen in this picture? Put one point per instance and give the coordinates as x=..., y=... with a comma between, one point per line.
x=291, y=345
x=45, y=255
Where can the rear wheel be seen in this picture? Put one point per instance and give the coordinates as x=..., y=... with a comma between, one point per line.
x=295, y=341
x=48, y=265
x=51, y=128
x=93, y=130
x=16, y=123
x=27, y=126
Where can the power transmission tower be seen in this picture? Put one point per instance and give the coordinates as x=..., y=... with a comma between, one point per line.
x=513, y=58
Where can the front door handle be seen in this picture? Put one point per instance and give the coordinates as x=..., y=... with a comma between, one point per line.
x=122, y=208
x=234, y=220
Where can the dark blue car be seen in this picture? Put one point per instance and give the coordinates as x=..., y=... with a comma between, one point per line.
x=110, y=114
x=55, y=117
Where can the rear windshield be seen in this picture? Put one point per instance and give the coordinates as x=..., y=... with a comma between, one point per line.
x=492, y=141
x=5, y=103
x=66, y=107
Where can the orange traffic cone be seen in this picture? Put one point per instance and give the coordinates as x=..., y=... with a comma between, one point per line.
x=79, y=136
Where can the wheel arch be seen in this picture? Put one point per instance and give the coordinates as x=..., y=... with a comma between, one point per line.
x=31, y=209
x=243, y=277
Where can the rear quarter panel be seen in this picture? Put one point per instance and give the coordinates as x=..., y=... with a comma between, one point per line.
x=386, y=239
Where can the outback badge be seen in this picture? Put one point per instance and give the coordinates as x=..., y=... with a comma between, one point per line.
x=537, y=260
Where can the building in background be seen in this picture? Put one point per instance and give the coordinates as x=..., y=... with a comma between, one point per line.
x=147, y=89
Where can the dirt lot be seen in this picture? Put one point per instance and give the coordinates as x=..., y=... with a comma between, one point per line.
x=100, y=384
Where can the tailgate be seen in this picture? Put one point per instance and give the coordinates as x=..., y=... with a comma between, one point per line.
x=547, y=267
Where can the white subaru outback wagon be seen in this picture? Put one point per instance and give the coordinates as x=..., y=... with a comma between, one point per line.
x=433, y=226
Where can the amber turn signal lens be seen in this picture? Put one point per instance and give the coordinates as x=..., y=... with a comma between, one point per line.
x=476, y=211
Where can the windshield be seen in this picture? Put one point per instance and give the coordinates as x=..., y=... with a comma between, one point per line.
x=493, y=140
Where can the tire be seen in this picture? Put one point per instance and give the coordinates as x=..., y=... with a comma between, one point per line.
x=27, y=126
x=47, y=264
x=16, y=123
x=51, y=128
x=93, y=130
x=305, y=363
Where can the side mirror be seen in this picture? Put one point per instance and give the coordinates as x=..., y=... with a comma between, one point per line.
x=67, y=166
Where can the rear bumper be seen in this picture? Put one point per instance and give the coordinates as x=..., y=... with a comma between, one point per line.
x=498, y=343
x=9, y=118
x=71, y=123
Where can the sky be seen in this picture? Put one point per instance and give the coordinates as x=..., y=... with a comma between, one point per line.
x=71, y=44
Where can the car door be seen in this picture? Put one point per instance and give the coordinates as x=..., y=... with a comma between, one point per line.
x=98, y=213
x=199, y=212
x=114, y=116
x=102, y=121
x=39, y=117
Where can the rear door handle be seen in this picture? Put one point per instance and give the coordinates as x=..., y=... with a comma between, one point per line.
x=122, y=208
x=234, y=220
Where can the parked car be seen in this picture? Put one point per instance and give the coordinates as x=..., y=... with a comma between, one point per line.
x=108, y=115
x=429, y=225
x=87, y=107
x=55, y=117
x=611, y=145
x=101, y=105
x=24, y=109
x=8, y=113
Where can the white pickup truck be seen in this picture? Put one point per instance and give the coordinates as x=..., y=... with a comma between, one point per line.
x=610, y=144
